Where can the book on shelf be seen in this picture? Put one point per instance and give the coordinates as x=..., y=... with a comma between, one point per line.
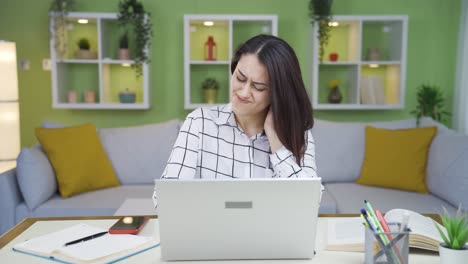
x=347, y=234
x=102, y=249
x=372, y=90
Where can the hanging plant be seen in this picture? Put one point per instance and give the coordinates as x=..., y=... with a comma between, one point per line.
x=132, y=16
x=58, y=11
x=320, y=12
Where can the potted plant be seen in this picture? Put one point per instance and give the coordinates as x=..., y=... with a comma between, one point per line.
x=210, y=90
x=83, y=52
x=132, y=14
x=334, y=96
x=431, y=103
x=320, y=13
x=124, y=52
x=58, y=11
x=454, y=248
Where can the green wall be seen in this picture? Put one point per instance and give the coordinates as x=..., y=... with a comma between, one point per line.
x=432, y=40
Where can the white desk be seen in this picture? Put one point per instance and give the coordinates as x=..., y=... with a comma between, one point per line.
x=7, y=255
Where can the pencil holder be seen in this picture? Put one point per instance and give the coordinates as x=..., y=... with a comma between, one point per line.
x=387, y=247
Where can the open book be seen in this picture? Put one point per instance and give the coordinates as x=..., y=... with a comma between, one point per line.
x=347, y=234
x=103, y=249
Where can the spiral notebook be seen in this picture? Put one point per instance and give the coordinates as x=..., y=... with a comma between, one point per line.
x=104, y=249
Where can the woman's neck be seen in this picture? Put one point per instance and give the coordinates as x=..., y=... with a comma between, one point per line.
x=251, y=124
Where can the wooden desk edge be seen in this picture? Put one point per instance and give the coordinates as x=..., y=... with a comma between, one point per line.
x=26, y=223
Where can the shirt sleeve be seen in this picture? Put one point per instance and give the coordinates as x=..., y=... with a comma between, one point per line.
x=182, y=163
x=285, y=165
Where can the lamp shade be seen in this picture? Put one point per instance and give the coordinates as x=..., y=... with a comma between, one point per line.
x=9, y=107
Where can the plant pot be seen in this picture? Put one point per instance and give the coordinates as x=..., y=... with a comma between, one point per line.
x=127, y=97
x=210, y=95
x=335, y=96
x=124, y=54
x=452, y=256
x=85, y=54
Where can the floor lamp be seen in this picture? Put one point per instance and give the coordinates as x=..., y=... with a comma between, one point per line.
x=9, y=106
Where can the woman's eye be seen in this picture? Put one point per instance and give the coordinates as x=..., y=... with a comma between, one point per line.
x=240, y=79
x=260, y=89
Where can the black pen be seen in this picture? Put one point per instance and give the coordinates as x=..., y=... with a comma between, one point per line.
x=85, y=238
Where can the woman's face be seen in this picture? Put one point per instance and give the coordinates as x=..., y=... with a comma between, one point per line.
x=250, y=94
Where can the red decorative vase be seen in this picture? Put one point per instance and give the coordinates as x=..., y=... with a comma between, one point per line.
x=210, y=49
x=333, y=56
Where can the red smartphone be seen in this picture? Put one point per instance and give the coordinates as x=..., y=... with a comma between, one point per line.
x=129, y=225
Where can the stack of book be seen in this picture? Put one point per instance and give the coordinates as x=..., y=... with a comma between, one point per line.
x=372, y=90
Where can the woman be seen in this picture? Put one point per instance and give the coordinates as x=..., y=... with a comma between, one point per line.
x=264, y=132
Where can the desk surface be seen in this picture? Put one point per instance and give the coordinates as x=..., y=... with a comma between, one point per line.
x=33, y=227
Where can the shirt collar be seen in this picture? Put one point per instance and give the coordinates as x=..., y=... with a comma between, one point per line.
x=226, y=116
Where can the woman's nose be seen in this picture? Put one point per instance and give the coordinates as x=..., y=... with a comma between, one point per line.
x=244, y=90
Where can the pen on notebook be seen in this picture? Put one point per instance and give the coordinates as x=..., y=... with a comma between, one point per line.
x=85, y=238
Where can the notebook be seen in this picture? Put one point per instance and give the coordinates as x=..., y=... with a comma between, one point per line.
x=103, y=249
x=208, y=219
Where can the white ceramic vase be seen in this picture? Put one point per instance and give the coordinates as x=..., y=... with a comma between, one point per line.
x=453, y=256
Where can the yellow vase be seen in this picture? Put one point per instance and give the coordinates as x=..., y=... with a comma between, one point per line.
x=210, y=95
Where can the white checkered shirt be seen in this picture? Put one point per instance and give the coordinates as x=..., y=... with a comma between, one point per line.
x=211, y=145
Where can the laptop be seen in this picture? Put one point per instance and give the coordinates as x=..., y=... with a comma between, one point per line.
x=216, y=219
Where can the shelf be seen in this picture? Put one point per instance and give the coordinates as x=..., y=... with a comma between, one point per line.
x=367, y=55
x=103, y=77
x=210, y=62
x=77, y=61
x=228, y=32
x=100, y=106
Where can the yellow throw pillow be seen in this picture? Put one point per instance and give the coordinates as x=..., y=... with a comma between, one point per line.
x=397, y=158
x=78, y=158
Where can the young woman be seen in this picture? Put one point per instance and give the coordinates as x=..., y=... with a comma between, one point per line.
x=264, y=132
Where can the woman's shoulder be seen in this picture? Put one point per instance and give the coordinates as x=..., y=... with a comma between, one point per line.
x=211, y=113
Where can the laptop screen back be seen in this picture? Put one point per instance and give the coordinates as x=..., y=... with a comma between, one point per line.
x=238, y=219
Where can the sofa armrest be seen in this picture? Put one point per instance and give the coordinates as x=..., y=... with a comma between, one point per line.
x=10, y=198
x=447, y=169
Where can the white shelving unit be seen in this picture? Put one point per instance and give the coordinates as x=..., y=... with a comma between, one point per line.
x=229, y=32
x=106, y=75
x=364, y=83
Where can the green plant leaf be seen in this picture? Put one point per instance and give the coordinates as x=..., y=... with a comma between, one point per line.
x=442, y=234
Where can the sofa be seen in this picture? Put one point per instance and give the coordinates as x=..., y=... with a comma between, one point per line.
x=138, y=155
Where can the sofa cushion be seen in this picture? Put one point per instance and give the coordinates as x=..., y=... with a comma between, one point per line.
x=397, y=158
x=78, y=159
x=447, y=168
x=36, y=177
x=139, y=154
x=350, y=199
x=99, y=202
x=342, y=143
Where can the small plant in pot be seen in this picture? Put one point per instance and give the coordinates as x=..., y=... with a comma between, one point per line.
x=430, y=102
x=210, y=90
x=454, y=248
x=124, y=52
x=84, y=51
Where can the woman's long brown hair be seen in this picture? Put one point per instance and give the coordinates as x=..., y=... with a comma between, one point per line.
x=290, y=103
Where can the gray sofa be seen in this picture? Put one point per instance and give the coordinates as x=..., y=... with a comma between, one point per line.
x=139, y=154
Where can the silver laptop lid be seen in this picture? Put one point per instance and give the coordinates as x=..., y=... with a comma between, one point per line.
x=238, y=219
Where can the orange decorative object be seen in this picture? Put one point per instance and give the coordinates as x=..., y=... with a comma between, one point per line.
x=210, y=49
